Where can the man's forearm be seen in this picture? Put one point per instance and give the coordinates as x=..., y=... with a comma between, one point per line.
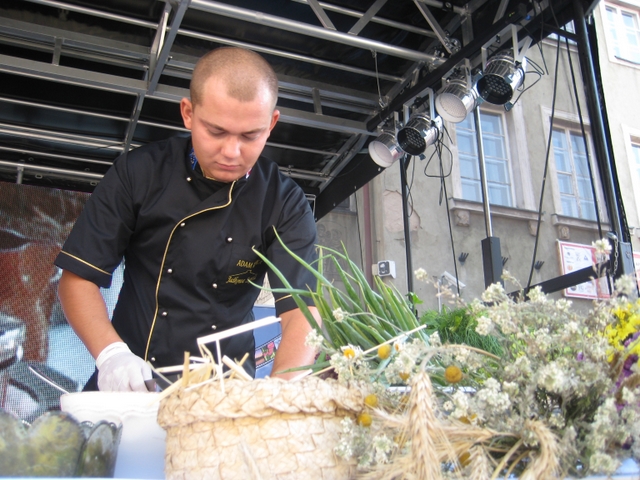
x=293, y=352
x=86, y=312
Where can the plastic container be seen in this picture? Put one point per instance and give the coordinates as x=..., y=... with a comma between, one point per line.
x=142, y=446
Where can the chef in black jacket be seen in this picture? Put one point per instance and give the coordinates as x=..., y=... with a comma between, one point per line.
x=186, y=214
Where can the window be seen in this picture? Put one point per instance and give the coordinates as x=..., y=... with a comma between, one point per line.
x=570, y=28
x=635, y=149
x=624, y=33
x=496, y=159
x=574, y=181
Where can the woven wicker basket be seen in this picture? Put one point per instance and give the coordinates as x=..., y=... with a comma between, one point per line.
x=267, y=429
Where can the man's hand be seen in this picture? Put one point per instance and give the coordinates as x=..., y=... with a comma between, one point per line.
x=292, y=351
x=121, y=370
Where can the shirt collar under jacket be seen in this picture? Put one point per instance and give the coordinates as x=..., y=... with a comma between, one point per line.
x=194, y=162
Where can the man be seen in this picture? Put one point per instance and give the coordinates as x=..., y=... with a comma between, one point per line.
x=186, y=214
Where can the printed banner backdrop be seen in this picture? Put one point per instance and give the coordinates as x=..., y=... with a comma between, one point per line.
x=35, y=337
x=575, y=256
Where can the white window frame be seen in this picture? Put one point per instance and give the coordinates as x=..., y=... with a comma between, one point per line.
x=631, y=139
x=552, y=38
x=568, y=121
x=585, y=208
x=458, y=192
x=628, y=54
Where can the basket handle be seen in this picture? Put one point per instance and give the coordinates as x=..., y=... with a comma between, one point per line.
x=216, y=337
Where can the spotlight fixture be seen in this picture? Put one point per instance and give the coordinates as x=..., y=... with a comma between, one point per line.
x=457, y=99
x=502, y=76
x=385, y=150
x=419, y=132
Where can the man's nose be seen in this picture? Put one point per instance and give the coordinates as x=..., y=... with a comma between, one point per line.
x=231, y=146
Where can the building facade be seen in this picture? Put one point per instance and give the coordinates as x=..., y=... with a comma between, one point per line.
x=545, y=193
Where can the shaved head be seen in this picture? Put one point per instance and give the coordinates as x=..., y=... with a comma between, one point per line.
x=243, y=73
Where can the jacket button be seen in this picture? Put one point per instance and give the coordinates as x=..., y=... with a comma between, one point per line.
x=182, y=224
x=188, y=179
x=213, y=327
x=164, y=314
x=169, y=270
x=214, y=285
x=153, y=359
x=229, y=239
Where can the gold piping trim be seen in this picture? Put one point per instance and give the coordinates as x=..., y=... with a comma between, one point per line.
x=86, y=263
x=282, y=298
x=164, y=257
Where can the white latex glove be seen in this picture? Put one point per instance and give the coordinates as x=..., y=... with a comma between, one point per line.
x=120, y=370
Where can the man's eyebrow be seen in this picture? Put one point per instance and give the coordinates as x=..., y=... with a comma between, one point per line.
x=217, y=127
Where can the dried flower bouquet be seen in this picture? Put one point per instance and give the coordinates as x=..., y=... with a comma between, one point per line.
x=532, y=388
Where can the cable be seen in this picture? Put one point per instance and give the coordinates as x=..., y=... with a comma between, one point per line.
x=586, y=149
x=586, y=145
x=521, y=89
x=453, y=247
x=546, y=164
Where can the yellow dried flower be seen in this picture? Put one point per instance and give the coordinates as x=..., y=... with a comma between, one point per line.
x=404, y=375
x=468, y=420
x=349, y=352
x=365, y=419
x=464, y=459
x=452, y=374
x=371, y=400
x=384, y=351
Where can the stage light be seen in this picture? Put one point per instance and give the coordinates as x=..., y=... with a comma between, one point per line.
x=502, y=76
x=457, y=99
x=419, y=132
x=385, y=150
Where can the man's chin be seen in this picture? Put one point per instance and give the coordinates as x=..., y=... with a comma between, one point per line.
x=228, y=177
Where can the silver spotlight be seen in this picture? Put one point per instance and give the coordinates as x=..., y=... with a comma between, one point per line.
x=385, y=150
x=457, y=99
x=419, y=132
x=502, y=76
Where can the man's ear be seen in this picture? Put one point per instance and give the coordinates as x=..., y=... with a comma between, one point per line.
x=274, y=119
x=186, y=110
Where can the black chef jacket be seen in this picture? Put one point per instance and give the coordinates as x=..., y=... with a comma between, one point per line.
x=188, y=255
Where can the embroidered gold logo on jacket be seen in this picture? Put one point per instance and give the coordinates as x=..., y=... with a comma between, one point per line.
x=248, y=275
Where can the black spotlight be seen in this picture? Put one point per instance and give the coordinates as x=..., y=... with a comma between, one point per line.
x=419, y=132
x=502, y=76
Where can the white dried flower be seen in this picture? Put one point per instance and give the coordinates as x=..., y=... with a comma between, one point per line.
x=536, y=295
x=603, y=463
x=434, y=339
x=339, y=314
x=510, y=388
x=572, y=327
x=382, y=447
x=629, y=396
x=461, y=403
x=551, y=378
x=461, y=355
x=485, y=326
x=602, y=246
x=421, y=274
x=626, y=285
x=490, y=401
x=314, y=339
x=494, y=293
x=556, y=420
